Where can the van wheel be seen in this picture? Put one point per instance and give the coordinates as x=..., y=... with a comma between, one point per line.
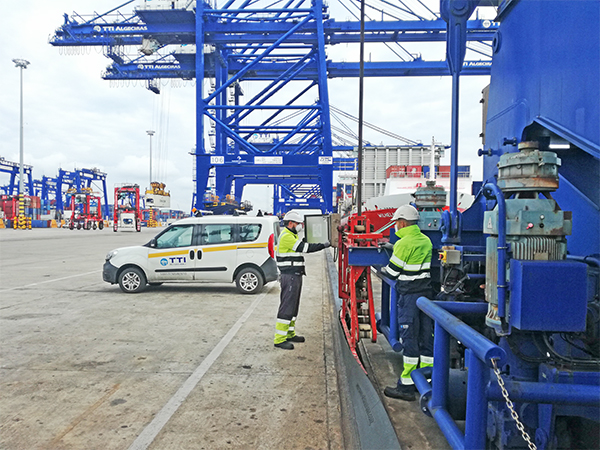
x=249, y=281
x=132, y=280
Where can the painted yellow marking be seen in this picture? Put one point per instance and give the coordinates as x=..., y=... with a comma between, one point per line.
x=173, y=253
x=208, y=249
x=232, y=247
x=219, y=249
x=252, y=245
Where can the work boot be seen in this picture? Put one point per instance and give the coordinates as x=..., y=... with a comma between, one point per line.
x=296, y=338
x=285, y=345
x=402, y=392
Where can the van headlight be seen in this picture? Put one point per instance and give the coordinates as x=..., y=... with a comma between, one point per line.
x=111, y=254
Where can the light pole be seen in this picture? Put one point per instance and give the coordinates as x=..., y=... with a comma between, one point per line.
x=150, y=133
x=21, y=64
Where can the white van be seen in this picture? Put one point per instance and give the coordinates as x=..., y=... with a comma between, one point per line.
x=218, y=249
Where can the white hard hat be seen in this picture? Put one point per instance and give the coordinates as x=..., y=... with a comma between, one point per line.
x=293, y=216
x=406, y=212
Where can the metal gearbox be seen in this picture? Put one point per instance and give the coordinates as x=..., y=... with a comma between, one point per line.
x=535, y=228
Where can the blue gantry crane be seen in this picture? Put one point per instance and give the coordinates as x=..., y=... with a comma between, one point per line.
x=75, y=181
x=282, y=135
x=12, y=168
x=43, y=188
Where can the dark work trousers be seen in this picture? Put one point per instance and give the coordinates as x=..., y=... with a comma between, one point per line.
x=415, y=328
x=289, y=300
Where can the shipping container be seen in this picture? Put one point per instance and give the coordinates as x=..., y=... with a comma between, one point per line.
x=414, y=171
x=464, y=171
x=443, y=171
x=395, y=171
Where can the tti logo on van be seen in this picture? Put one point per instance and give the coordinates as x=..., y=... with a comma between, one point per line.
x=175, y=260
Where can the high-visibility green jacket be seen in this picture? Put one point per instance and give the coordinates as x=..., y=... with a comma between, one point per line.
x=410, y=263
x=289, y=252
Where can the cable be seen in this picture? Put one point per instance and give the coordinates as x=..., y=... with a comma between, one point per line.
x=385, y=43
x=569, y=340
x=373, y=127
x=344, y=125
x=531, y=359
x=573, y=361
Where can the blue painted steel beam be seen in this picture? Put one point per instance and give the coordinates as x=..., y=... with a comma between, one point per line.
x=275, y=174
x=483, y=348
x=180, y=29
x=555, y=393
x=456, y=15
x=12, y=168
x=368, y=256
x=269, y=71
x=480, y=353
x=308, y=161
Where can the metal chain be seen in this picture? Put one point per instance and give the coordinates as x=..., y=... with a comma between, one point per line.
x=511, y=406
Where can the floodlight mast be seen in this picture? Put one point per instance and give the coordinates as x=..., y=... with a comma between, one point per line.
x=21, y=64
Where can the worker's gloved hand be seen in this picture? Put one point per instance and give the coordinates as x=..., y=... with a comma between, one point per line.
x=327, y=244
x=387, y=246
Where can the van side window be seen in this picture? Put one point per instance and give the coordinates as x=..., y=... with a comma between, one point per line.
x=217, y=234
x=249, y=232
x=176, y=236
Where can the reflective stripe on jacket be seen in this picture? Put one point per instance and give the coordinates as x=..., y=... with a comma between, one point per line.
x=411, y=261
x=289, y=252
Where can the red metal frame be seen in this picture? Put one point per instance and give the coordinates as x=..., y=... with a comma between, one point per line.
x=135, y=208
x=85, y=219
x=354, y=282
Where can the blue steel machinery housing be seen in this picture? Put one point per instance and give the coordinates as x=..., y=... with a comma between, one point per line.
x=517, y=320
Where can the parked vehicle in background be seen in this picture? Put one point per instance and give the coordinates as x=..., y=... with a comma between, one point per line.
x=232, y=249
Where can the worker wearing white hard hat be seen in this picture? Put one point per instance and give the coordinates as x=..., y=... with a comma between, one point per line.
x=410, y=265
x=291, y=266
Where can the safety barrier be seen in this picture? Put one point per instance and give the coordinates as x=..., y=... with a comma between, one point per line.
x=481, y=355
x=387, y=320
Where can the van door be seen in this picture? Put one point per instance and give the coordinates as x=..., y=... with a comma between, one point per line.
x=173, y=257
x=251, y=249
x=217, y=256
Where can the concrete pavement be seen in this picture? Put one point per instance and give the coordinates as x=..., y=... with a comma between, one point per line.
x=180, y=366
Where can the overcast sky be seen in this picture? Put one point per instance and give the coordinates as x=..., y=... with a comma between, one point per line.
x=75, y=119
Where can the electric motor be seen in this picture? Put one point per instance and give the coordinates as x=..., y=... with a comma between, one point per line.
x=535, y=225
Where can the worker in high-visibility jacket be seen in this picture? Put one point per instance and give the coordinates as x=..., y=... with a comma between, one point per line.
x=410, y=265
x=291, y=267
